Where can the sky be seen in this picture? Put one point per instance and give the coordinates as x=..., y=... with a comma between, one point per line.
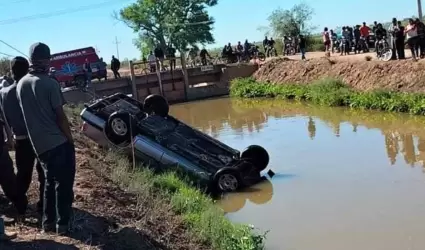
x=91, y=23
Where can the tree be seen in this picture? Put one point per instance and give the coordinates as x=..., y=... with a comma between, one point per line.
x=177, y=22
x=290, y=22
x=4, y=66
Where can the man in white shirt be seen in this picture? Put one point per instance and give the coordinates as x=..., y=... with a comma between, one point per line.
x=152, y=62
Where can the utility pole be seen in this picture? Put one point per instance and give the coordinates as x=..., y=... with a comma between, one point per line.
x=420, y=9
x=116, y=42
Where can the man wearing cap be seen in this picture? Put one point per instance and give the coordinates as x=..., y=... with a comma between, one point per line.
x=24, y=152
x=41, y=101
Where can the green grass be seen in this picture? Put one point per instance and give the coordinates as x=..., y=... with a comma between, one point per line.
x=332, y=92
x=202, y=217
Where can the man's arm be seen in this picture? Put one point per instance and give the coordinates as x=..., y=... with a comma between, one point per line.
x=57, y=101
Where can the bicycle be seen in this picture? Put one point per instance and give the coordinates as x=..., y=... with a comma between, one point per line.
x=383, y=50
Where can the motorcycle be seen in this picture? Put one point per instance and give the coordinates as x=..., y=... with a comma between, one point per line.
x=383, y=50
x=289, y=50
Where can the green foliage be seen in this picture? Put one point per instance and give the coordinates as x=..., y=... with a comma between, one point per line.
x=4, y=66
x=178, y=22
x=332, y=92
x=290, y=22
x=201, y=215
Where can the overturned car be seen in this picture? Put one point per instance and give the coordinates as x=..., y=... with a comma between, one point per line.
x=158, y=138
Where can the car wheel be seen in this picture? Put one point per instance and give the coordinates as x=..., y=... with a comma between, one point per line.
x=257, y=155
x=227, y=180
x=156, y=104
x=119, y=128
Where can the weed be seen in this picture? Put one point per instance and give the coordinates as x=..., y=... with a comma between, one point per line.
x=332, y=92
x=202, y=217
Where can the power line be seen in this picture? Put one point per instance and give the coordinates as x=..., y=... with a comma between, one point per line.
x=15, y=49
x=1, y=53
x=59, y=12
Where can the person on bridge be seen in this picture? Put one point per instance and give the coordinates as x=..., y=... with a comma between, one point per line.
x=88, y=73
x=171, y=55
x=239, y=51
x=41, y=102
x=25, y=156
x=203, y=55
x=380, y=34
x=115, y=67
x=152, y=62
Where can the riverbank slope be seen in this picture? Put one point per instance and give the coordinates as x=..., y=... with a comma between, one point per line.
x=361, y=75
x=118, y=206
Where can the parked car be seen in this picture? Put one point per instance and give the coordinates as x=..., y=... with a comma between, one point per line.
x=69, y=66
x=158, y=138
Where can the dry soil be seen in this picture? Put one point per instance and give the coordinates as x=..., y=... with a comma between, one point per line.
x=355, y=70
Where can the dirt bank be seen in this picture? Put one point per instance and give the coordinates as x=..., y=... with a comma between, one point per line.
x=363, y=75
x=106, y=216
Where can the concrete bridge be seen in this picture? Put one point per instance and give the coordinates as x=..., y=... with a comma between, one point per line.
x=180, y=85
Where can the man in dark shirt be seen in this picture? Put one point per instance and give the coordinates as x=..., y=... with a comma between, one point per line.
x=380, y=33
x=302, y=45
x=356, y=33
x=159, y=54
x=171, y=55
x=115, y=67
x=41, y=101
x=24, y=153
x=265, y=43
x=203, y=55
x=7, y=174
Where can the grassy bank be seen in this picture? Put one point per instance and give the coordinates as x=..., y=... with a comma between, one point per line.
x=167, y=201
x=332, y=92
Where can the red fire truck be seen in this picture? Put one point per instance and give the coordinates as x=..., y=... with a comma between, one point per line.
x=69, y=66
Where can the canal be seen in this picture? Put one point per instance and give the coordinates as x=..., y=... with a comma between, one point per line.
x=345, y=179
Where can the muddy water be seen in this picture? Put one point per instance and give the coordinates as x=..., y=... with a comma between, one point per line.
x=346, y=180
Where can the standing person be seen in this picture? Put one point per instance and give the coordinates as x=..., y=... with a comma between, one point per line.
x=88, y=73
x=7, y=176
x=41, y=101
x=365, y=33
x=375, y=26
x=399, y=42
x=171, y=55
x=393, y=30
x=357, y=36
x=412, y=37
x=25, y=156
x=302, y=44
x=421, y=37
x=326, y=39
x=333, y=40
x=159, y=54
x=115, y=67
x=152, y=62
x=266, y=42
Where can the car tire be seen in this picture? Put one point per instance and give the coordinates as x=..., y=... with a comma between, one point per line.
x=227, y=179
x=119, y=128
x=256, y=155
x=156, y=104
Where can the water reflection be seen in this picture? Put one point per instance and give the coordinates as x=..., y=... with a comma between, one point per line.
x=258, y=194
x=403, y=133
x=344, y=195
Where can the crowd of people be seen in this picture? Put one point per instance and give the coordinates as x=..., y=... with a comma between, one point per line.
x=34, y=124
x=396, y=35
